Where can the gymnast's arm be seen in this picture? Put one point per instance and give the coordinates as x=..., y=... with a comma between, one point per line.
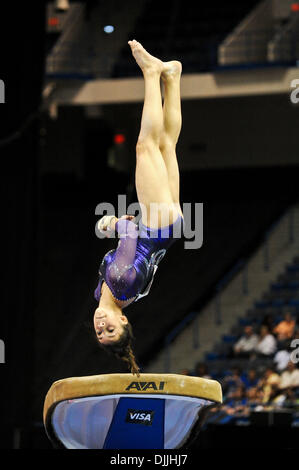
x=120, y=273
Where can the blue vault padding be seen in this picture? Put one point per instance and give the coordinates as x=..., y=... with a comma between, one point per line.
x=138, y=423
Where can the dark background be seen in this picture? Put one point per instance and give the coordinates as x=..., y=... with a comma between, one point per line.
x=50, y=254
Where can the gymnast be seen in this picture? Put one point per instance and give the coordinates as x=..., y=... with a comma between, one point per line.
x=126, y=273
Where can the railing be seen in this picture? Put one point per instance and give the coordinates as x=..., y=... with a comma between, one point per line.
x=72, y=54
x=74, y=58
x=256, y=47
x=267, y=35
x=174, y=333
x=241, y=267
x=221, y=286
x=250, y=47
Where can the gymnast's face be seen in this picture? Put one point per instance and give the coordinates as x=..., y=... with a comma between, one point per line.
x=108, y=325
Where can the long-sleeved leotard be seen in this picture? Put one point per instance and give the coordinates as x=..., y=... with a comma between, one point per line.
x=129, y=269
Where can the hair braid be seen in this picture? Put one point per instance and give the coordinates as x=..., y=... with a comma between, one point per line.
x=129, y=358
x=122, y=349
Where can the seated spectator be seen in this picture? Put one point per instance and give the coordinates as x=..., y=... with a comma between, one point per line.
x=282, y=357
x=236, y=402
x=290, y=377
x=232, y=381
x=286, y=398
x=246, y=344
x=266, y=345
x=269, y=384
x=250, y=379
x=285, y=329
x=201, y=370
x=254, y=395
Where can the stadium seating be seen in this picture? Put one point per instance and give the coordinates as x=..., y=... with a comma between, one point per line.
x=184, y=30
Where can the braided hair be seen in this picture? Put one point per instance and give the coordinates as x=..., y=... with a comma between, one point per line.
x=122, y=349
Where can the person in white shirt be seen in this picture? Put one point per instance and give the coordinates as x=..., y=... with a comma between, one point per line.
x=266, y=345
x=281, y=359
x=290, y=377
x=247, y=343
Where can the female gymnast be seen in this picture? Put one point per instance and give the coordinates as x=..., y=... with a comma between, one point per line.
x=126, y=273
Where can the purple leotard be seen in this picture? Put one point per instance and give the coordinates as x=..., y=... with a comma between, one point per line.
x=129, y=269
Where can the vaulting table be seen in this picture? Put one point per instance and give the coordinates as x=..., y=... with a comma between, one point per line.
x=123, y=411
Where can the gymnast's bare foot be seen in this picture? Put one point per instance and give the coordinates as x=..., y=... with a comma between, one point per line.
x=171, y=69
x=146, y=61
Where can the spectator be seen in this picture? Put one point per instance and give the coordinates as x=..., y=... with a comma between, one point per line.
x=285, y=329
x=266, y=345
x=254, y=395
x=236, y=402
x=232, y=381
x=269, y=384
x=286, y=398
x=247, y=343
x=201, y=370
x=282, y=357
x=290, y=377
x=250, y=379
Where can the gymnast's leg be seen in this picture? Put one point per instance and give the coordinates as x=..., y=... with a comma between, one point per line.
x=152, y=179
x=172, y=123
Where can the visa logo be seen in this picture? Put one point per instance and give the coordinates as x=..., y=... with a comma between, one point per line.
x=140, y=417
x=145, y=417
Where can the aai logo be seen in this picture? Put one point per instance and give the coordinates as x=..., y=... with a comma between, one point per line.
x=145, y=386
x=140, y=417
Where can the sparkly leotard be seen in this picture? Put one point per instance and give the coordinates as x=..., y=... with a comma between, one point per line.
x=129, y=269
